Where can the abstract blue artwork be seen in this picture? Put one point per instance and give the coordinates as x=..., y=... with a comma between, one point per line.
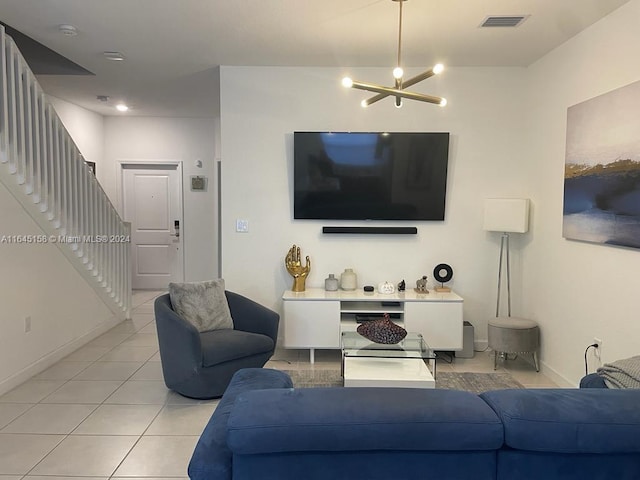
x=602, y=169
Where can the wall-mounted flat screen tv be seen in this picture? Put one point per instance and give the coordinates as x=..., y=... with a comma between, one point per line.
x=370, y=176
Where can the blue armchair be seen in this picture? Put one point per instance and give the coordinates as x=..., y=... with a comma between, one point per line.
x=200, y=365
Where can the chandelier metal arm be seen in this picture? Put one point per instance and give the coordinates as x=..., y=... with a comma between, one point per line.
x=386, y=91
x=400, y=35
x=398, y=87
x=407, y=83
x=418, y=78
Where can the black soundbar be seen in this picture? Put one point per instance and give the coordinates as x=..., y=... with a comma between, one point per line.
x=372, y=230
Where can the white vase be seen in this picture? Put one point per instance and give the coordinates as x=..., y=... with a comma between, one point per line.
x=348, y=280
x=331, y=283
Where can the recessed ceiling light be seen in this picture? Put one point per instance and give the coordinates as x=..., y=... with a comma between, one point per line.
x=115, y=56
x=68, y=30
x=121, y=107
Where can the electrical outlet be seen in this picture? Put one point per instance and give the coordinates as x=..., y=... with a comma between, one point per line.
x=27, y=324
x=597, y=349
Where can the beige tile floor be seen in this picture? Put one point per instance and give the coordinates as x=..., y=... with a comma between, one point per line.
x=104, y=412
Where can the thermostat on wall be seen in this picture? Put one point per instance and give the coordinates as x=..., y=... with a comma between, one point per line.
x=198, y=184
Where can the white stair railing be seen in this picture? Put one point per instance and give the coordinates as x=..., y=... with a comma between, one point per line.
x=44, y=170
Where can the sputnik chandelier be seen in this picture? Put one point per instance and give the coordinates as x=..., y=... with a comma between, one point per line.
x=398, y=91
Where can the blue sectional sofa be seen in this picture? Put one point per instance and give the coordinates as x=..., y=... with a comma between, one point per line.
x=264, y=429
x=592, y=380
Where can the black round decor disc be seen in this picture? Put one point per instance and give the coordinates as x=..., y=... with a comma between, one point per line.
x=437, y=273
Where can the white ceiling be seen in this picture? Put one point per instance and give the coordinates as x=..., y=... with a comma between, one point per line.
x=173, y=47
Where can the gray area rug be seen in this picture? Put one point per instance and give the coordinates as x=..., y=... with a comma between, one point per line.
x=470, y=382
x=476, y=382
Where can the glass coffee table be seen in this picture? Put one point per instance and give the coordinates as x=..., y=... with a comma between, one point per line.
x=369, y=364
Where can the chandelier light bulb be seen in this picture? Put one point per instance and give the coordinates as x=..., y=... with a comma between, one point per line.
x=443, y=102
x=398, y=73
x=364, y=104
x=398, y=104
x=438, y=68
x=347, y=82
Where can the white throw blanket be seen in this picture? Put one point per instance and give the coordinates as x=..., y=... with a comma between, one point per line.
x=623, y=373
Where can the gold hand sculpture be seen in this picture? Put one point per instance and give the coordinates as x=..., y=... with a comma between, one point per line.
x=295, y=268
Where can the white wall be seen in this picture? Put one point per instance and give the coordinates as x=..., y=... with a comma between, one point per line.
x=107, y=140
x=578, y=291
x=261, y=107
x=86, y=128
x=38, y=281
x=183, y=139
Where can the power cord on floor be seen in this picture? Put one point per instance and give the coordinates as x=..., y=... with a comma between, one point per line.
x=586, y=368
x=279, y=360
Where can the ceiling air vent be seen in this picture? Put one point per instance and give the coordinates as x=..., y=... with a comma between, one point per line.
x=504, y=21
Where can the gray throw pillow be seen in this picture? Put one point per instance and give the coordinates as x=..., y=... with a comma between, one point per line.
x=204, y=304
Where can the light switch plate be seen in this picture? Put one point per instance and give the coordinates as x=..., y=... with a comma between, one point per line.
x=242, y=226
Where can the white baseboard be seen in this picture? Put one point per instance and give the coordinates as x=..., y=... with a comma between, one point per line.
x=545, y=369
x=53, y=357
x=556, y=377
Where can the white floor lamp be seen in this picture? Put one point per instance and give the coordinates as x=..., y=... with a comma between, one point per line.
x=506, y=215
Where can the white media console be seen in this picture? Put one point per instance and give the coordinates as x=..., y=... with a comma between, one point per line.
x=315, y=318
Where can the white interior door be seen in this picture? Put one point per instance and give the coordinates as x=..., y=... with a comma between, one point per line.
x=152, y=201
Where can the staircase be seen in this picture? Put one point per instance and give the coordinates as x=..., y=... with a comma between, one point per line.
x=44, y=170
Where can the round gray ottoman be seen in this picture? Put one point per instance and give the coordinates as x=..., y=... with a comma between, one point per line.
x=514, y=335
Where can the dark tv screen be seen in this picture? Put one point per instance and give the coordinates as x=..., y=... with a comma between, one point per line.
x=370, y=176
